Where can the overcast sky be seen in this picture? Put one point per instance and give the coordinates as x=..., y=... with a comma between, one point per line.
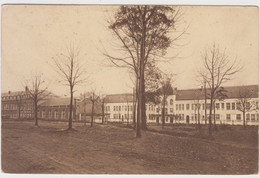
x=32, y=35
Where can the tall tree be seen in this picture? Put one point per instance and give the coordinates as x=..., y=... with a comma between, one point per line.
x=143, y=34
x=165, y=90
x=244, y=102
x=217, y=69
x=69, y=68
x=37, y=92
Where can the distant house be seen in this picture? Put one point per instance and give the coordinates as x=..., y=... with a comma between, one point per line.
x=119, y=107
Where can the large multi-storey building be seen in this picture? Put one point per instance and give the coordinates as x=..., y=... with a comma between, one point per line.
x=188, y=106
x=17, y=105
x=184, y=106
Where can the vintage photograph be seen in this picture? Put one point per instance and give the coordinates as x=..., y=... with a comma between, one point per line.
x=129, y=89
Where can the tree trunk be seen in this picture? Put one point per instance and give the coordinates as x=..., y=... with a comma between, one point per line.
x=35, y=113
x=198, y=115
x=138, y=128
x=244, y=119
x=143, y=105
x=19, y=112
x=163, y=112
x=195, y=110
x=210, y=114
x=71, y=107
x=103, y=112
x=92, y=113
x=214, y=116
x=205, y=104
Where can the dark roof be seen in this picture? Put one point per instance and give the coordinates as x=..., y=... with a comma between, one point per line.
x=119, y=98
x=55, y=101
x=16, y=93
x=231, y=92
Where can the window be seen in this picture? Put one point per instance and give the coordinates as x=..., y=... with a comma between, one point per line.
x=247, y=117
x=171, y=101
x=166, y=110
x=253, y=117
x=217, y=117
x=131, y=108
x=182, y=117
x=182, y=106
x=119, y=108
x=157, y=110
x=176, y=106
x=192, y=106
x=228, y=106
x=228, y=117
x=114, y=108
x=179, y=106
x=217, y=106
x=257, y=117
x=233, y=106
x=187, y=106
x=63, y=114
x=238, y=105
x=239, y=117
x=222, y=105
x=257, y=105
x=171, y=109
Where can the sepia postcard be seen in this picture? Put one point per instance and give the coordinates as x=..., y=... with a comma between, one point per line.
x=129, y=89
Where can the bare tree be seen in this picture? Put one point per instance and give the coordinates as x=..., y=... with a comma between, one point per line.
x=69, y=68
x=217, y=69
x=19, y=103
x=142, y=32
x=102, y=99
x=165, y=90
x=94, y=99
x=244, y=102
x=197, y=105
x=37, y=91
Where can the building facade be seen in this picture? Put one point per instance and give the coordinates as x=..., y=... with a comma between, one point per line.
x=188, y=106
x=184, y=106
x=17, y=105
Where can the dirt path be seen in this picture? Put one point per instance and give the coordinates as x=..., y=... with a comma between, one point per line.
x=106, y=149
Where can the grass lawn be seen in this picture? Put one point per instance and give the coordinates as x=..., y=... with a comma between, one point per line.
x=115, y=150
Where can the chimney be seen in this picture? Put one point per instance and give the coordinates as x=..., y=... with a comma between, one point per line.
x=9, y=92
x=26, y=89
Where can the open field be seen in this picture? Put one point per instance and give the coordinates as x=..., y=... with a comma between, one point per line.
x=115, y=150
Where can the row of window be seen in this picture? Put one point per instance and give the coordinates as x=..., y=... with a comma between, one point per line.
x=15, y=97
x=229, y=106
x=120, y=108
x=123, y=116
x=15, y=107
x=52, y=114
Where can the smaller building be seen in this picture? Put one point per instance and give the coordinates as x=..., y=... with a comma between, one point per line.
x=17, y=105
